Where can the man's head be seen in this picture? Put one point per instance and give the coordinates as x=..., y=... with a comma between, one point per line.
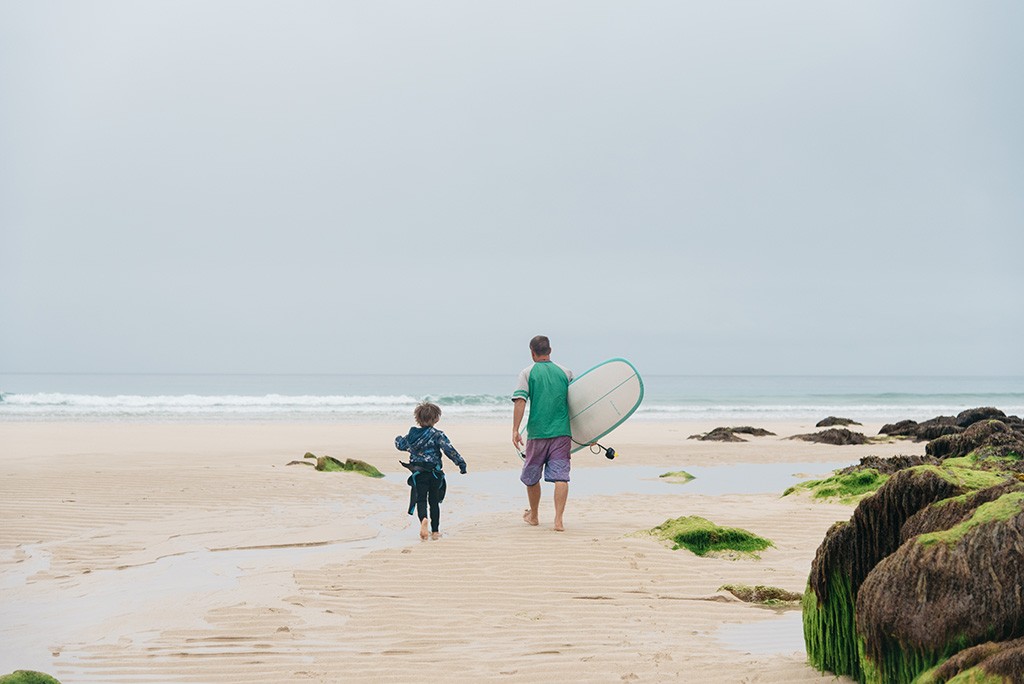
x=427, y=414
x=540, y=346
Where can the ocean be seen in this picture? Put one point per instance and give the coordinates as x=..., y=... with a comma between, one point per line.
x=326, y=397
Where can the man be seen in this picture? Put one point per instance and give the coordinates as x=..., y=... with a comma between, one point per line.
x=545, y=385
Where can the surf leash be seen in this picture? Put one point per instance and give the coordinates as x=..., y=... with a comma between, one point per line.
x=596, y=448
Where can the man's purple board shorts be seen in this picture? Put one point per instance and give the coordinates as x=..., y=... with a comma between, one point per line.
x=550, y=455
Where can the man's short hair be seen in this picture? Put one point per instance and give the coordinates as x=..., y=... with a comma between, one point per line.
x=540, y=345
x=427, y=414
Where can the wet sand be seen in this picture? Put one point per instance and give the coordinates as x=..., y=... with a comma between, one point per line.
x=193, y=553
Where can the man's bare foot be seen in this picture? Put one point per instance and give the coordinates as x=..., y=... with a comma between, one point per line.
x=530, y=519
x=424, y=529
x=559, y=527
x=435, y=535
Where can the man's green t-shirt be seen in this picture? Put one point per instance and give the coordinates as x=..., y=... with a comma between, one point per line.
x=545, y=385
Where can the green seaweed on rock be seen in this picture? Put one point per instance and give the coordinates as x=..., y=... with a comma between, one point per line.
x=847, y=487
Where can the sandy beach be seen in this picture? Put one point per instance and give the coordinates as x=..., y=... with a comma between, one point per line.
x=177, y=552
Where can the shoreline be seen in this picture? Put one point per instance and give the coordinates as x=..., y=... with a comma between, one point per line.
x=134, y=550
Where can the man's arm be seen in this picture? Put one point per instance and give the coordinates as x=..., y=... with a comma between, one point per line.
x=518, y=411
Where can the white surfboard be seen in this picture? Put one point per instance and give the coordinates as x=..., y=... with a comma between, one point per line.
x=601, y=399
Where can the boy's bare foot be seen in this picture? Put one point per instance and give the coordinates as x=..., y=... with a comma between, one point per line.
x=435, y=535
x=424, y=529
x=530, y=519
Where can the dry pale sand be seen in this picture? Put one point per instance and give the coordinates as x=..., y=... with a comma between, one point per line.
x=193, y=553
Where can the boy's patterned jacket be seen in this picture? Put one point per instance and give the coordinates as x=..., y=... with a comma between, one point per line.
x=425, y=446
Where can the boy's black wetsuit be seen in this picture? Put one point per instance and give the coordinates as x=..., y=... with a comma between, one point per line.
x=427, y=484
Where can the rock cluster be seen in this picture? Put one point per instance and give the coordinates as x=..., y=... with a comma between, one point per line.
x=923, y=582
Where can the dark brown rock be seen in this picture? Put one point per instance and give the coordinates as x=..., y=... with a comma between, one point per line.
x=832, y=421
x=993, y=436
x=904, y=428
x=836, y=436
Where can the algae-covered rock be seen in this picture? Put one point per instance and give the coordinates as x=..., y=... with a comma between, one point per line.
x=765, y=595
x=731, y=434
x=993, y=438
x=27, y=677
x=940, y=426
x=753, y=431
x=701, y=536
x=832, y=421
x=989, y=663
x=835, y=436
x=719, y=434
x=680, y=476
x=926, y=567
x=849, y=552
x=965, y=591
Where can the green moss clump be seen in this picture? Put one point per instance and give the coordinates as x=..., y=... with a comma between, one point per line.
x=764, y=595
x=678, y=476
x=27, y=677
x=1003, y=508
x=329, y=464
x=848, y=487
x=701, y=536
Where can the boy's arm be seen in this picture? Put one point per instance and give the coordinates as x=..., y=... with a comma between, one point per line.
x=401, y=443
x=450, y=452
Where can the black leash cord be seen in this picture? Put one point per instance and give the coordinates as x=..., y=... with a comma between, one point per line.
x=596, y=448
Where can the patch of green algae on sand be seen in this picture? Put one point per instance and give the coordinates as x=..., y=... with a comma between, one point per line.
x=329, y=464
x=701, y=536
x=848, y=488
x=680, y=476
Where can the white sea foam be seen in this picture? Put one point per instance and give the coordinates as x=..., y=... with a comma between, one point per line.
x=55, y=405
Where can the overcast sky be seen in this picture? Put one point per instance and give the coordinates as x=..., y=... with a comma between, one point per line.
x=702, y=187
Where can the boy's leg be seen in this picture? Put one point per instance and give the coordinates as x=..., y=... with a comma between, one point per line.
x=435, y=507
x=421, y=503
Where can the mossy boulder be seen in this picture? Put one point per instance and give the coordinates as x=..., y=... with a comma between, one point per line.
x=27, y=677
x=926, y=567
x=703, y=537
x=762, y=594
x=680, y=476
x=964, y=591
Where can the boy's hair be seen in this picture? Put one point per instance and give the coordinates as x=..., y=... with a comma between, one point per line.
x=540, y=345
x=427, y=414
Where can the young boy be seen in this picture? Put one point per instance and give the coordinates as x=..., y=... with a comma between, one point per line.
x=425, y=444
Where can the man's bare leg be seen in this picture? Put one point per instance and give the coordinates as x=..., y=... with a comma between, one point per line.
x=530, y=514
x=561, y=496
